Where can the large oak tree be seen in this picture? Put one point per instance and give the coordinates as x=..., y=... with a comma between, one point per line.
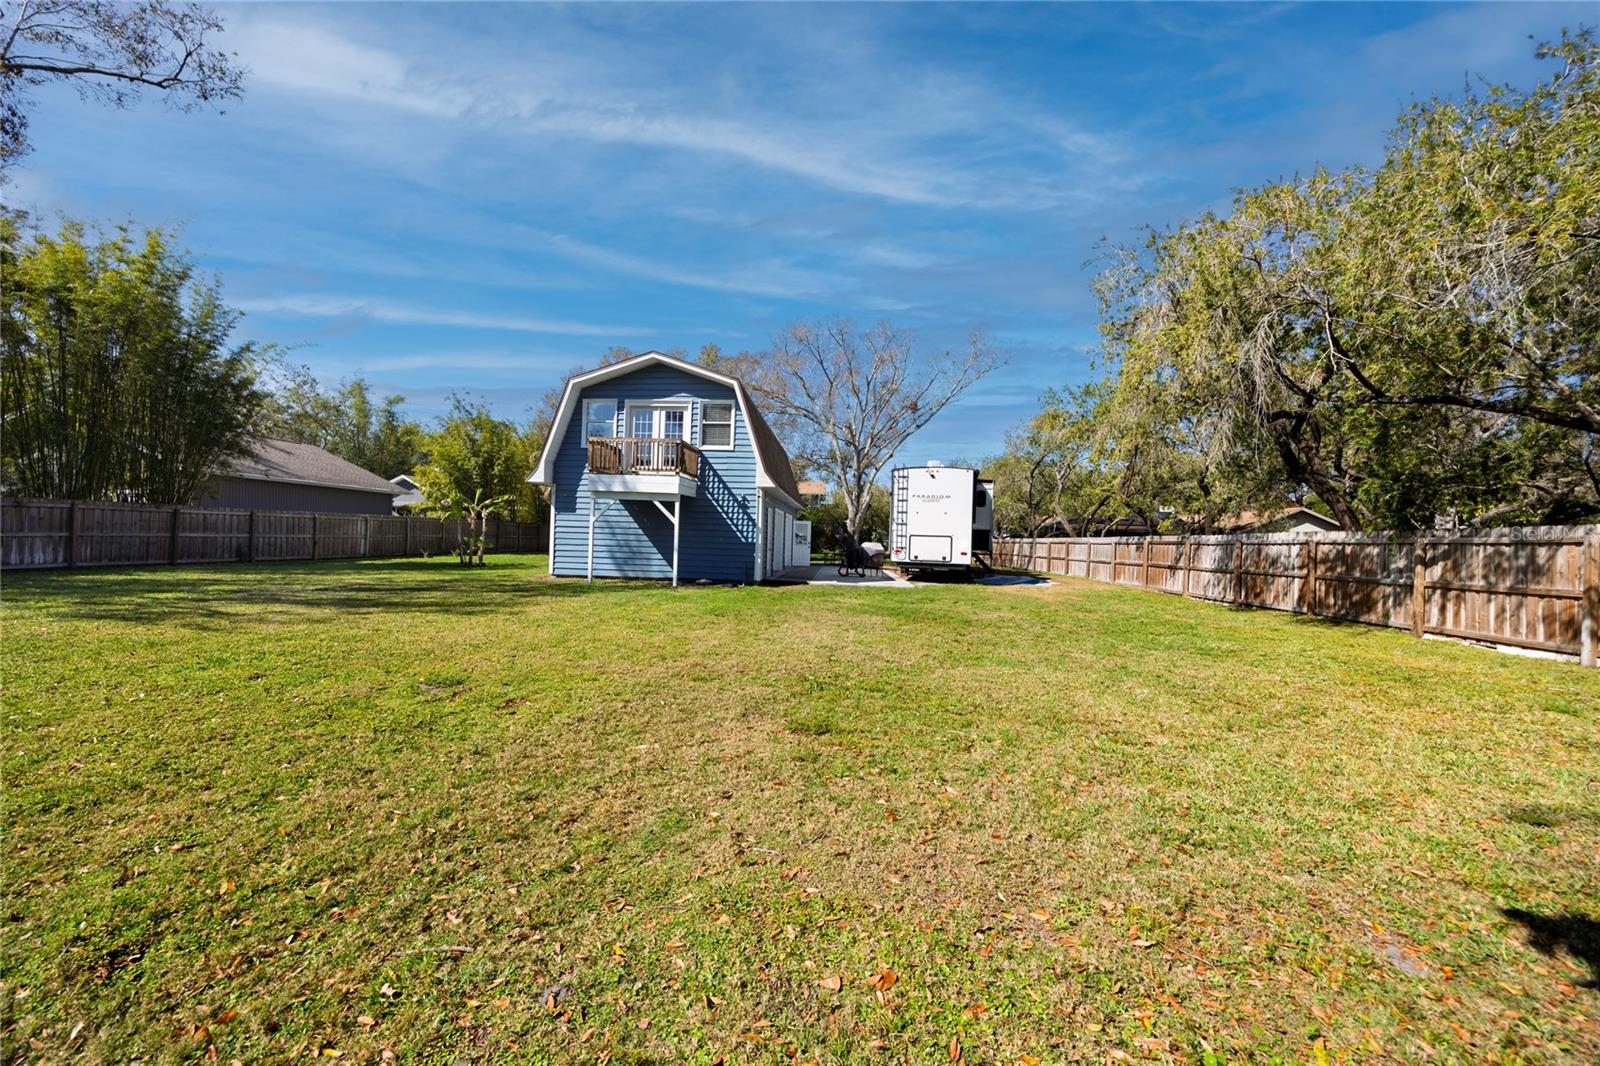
x=1413, y=344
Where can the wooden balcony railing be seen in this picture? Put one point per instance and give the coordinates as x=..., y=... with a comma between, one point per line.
x=643, y=455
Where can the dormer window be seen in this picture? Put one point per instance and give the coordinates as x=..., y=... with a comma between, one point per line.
x=716, y=425
x=599, y=418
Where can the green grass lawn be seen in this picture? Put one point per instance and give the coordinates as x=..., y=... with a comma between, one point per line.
x=344, y=809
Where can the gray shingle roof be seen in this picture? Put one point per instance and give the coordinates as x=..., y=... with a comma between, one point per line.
x=272, y=459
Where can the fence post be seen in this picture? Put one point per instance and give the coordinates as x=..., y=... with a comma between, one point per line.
x=408, y=534
x=1188, y=562
x=366, y=536
x=172, y=546
x=1144, y=564
x=72, y=534
x=1419, y=585
x=1591, y=603
x=250, y=539
x=1238, y=569
x=1311, y=576
x=315, y=524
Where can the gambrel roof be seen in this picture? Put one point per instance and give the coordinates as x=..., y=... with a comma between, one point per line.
x=773, y=470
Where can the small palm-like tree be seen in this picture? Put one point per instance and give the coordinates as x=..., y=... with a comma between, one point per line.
x=472, y=518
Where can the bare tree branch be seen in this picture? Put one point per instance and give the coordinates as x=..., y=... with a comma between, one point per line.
x=856, y=397
x=111, y=52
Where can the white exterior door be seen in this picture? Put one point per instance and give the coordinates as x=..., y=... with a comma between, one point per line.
x=657, y=423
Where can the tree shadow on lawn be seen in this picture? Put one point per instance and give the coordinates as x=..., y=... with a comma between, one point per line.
x=1576, y=934
x=204, y=596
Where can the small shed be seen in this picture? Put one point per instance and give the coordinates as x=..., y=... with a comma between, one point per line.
x=283, y=475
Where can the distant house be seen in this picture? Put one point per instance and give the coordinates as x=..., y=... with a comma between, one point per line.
x=1289, y=520
x=1101, y=526
x=281, y=475
x=1293, y=519
x=812, y=492
x=410, y=492
x=660, y=468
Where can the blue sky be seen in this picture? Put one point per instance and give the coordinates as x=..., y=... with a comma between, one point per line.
x=476, y=198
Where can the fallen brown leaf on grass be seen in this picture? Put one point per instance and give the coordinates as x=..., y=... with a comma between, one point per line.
x=884, y=981
x=831, y=984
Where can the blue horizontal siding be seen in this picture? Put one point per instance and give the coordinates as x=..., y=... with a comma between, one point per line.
x=634, y=539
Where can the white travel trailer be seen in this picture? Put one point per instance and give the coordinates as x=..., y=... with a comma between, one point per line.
x=942, y=518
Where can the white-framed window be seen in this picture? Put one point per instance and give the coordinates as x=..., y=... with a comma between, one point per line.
x=716, y=425
x=599, y=418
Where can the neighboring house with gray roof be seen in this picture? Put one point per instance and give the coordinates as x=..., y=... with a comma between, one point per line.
x=660, y=468
x=282, y=475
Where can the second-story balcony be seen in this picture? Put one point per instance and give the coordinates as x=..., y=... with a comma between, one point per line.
x=645, y=467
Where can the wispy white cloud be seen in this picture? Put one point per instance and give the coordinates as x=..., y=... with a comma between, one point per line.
x=937, y=140
x=776, y=279
x=818, y=159
x=316, y=306
x=1459, y=43
x=452, y=359
x=1214, y=22
x=882, y=253
x=306, y=58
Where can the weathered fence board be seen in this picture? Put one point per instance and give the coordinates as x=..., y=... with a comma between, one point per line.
x=47, y=534
x=1536, y=587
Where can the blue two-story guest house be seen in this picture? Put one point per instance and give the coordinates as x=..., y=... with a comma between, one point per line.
x=659, y=468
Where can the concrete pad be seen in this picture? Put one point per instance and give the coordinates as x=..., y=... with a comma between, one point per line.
x=829, y=575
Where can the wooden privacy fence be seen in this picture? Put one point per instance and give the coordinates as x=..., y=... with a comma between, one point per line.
x=1536, y=587
x=44, y=534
